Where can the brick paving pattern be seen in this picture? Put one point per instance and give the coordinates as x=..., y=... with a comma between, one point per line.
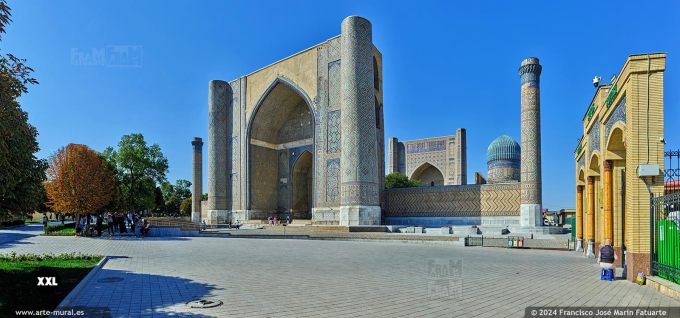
x=314, y=278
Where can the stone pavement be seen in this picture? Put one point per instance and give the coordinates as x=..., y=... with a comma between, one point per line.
x=313, y=278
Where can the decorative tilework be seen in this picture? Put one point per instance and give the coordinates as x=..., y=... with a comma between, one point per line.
x=332, y=180
x=359, y=149
x=594, y=137
x=450, y=201
x=619, y=115
x=437, y=145
x=333, y=136
x=582, y=161
x=334, y=79
x=234, y=145
x=531, y=135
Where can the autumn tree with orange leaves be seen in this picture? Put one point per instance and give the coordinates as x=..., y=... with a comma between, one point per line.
x=79, y=181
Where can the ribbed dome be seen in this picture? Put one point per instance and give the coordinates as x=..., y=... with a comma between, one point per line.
x=503, y=148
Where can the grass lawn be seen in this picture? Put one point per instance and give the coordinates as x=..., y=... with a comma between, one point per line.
x=19, y=276
x=63, y=232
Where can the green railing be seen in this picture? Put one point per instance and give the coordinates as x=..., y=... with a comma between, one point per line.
x=666, y=234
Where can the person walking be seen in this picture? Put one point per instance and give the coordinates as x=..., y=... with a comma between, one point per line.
x=99, y=225
x=109, y=223
x=45, y=221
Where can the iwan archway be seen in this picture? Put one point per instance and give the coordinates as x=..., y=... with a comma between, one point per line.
x=280, y=154
x=428, y=175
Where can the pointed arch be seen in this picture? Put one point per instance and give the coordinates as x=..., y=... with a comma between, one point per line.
x=428, y=175
x=283, y=118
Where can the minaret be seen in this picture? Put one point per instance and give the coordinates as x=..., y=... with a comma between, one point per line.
x=219, y=93
x=359, y=190
x=196, y=180
x=531, y=202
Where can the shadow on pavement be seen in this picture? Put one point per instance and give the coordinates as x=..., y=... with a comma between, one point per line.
x=116, y=293
x=8, y=240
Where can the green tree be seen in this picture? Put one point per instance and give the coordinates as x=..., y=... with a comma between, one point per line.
x=139, y=168
x=21, y=173
x=158, y=200
x=174, y=194
x=398, y=180
x=185, y=206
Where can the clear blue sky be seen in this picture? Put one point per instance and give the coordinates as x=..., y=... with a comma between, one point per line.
x=446, y=65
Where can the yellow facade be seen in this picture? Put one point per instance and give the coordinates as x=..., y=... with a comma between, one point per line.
x=622, y=129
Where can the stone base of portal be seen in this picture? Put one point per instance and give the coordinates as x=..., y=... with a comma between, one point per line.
x=530, y=215
x=217, y=217
x=359, y=215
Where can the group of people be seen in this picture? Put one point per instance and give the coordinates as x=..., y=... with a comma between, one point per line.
x=126, y=223
x=274, y=220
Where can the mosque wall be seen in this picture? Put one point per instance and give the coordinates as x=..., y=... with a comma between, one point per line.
x=455, y=204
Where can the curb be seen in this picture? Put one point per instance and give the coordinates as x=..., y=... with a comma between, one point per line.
x=333, y=238
x=664, y=286
x=83, y=282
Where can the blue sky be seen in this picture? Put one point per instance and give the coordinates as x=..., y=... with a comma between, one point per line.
x=446, y=65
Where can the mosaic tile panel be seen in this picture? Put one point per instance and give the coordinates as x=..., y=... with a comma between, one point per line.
x=333, y=180
x=438, y=145
x=619, y=115
x=594, y=138
x=333, y=136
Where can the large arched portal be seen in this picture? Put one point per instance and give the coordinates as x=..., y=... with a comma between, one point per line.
x=281, y=135
x=428, y=175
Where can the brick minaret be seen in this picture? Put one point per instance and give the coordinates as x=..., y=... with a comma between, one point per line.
x=531, y=202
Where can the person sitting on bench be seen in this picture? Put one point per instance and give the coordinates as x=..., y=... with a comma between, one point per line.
x=145, y=227
x=607, y=256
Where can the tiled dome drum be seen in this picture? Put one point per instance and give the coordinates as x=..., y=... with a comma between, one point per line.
x=503, y=160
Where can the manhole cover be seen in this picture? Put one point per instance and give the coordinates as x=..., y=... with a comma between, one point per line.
x=111, y=280
x=204, y=303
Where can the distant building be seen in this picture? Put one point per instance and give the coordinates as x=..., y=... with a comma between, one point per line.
x=432, y=161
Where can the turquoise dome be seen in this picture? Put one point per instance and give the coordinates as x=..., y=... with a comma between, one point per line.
x=503, y=148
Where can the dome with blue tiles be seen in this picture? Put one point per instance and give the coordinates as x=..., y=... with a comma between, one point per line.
x=503, y=148
x=503, y=160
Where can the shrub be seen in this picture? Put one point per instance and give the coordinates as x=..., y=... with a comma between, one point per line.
x=398, y=180
x=58, y=227
x=13, y=256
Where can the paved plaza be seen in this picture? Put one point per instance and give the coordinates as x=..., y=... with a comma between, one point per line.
x=322, y=278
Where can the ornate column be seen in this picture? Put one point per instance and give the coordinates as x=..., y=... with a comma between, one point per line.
x=530, y=202
x=196, y=180
x=608, y=201
x=579, y=218
x=591, y=217
x=219, y=93
x=359, y=197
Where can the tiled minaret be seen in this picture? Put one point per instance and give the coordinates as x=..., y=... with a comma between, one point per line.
x=359, y=190
x=218, y=192
x=530, y=176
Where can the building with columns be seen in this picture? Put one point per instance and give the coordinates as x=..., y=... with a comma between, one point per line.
x=432, y=161
x=623, y=131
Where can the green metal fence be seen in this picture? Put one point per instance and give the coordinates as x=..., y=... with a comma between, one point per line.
x=666, y=249
x=572, y=221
